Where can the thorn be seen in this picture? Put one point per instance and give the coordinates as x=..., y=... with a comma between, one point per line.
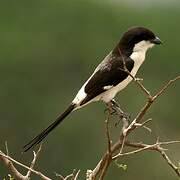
x=6, y=145
x=147, y=128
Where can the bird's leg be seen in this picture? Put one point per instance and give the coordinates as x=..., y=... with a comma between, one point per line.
x=114, y=107
x=110, y=109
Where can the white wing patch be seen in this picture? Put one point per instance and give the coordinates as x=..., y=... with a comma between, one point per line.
x=107, y=87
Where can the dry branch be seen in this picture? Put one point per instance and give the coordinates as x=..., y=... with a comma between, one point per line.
x=8, y=162
x=137, y=122
x=114, y=151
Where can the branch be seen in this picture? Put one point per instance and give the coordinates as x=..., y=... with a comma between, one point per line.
x=33, y=161
x=142, y=147
x=72, y=176
x=105, y=160
x=156, y=147
x=108, y=133
x=148, y=104
x=8, y=162
x=162, y=90
x=114, y=151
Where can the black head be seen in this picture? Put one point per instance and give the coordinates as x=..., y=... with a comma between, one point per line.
x=134, y=36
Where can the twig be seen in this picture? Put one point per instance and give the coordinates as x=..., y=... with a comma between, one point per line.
x=59, y=175
x=73, y=175
x=162, y=90
x=135, y=151
x=143, y=125
x=76, y=175
x=156, y=147
x=7, y=161
x=147, y=93
x=108, y=132
x=69, y=176
x=123, y=136
x=170, y=163
x=33, y=161
x=6, y=145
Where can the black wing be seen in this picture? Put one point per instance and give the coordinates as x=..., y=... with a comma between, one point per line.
x=110, y=73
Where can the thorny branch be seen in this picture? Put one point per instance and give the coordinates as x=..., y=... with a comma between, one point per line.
x=114, y=151
x=122, y=141
x=9, y=163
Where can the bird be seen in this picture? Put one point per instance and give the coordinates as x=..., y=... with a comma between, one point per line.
x=111, y=76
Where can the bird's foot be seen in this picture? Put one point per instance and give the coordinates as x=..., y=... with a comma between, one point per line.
x=111, y=111
x=123, y=117
x=114, y=109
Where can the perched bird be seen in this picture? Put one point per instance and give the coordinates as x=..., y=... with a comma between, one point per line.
x=112, y=75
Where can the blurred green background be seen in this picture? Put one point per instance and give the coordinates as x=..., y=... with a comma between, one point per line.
x=48, y=48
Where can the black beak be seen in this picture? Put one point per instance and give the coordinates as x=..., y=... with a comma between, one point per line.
x=156, y=40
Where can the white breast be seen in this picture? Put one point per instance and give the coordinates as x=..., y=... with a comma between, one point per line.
x=138, y=58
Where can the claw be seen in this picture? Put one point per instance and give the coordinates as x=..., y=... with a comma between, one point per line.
x=125, y=118
x=111, y=111
x=115, y=109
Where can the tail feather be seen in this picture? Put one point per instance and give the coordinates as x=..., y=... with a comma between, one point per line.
x=44, y=133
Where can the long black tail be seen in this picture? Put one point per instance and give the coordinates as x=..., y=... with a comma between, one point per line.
x=43, y=134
